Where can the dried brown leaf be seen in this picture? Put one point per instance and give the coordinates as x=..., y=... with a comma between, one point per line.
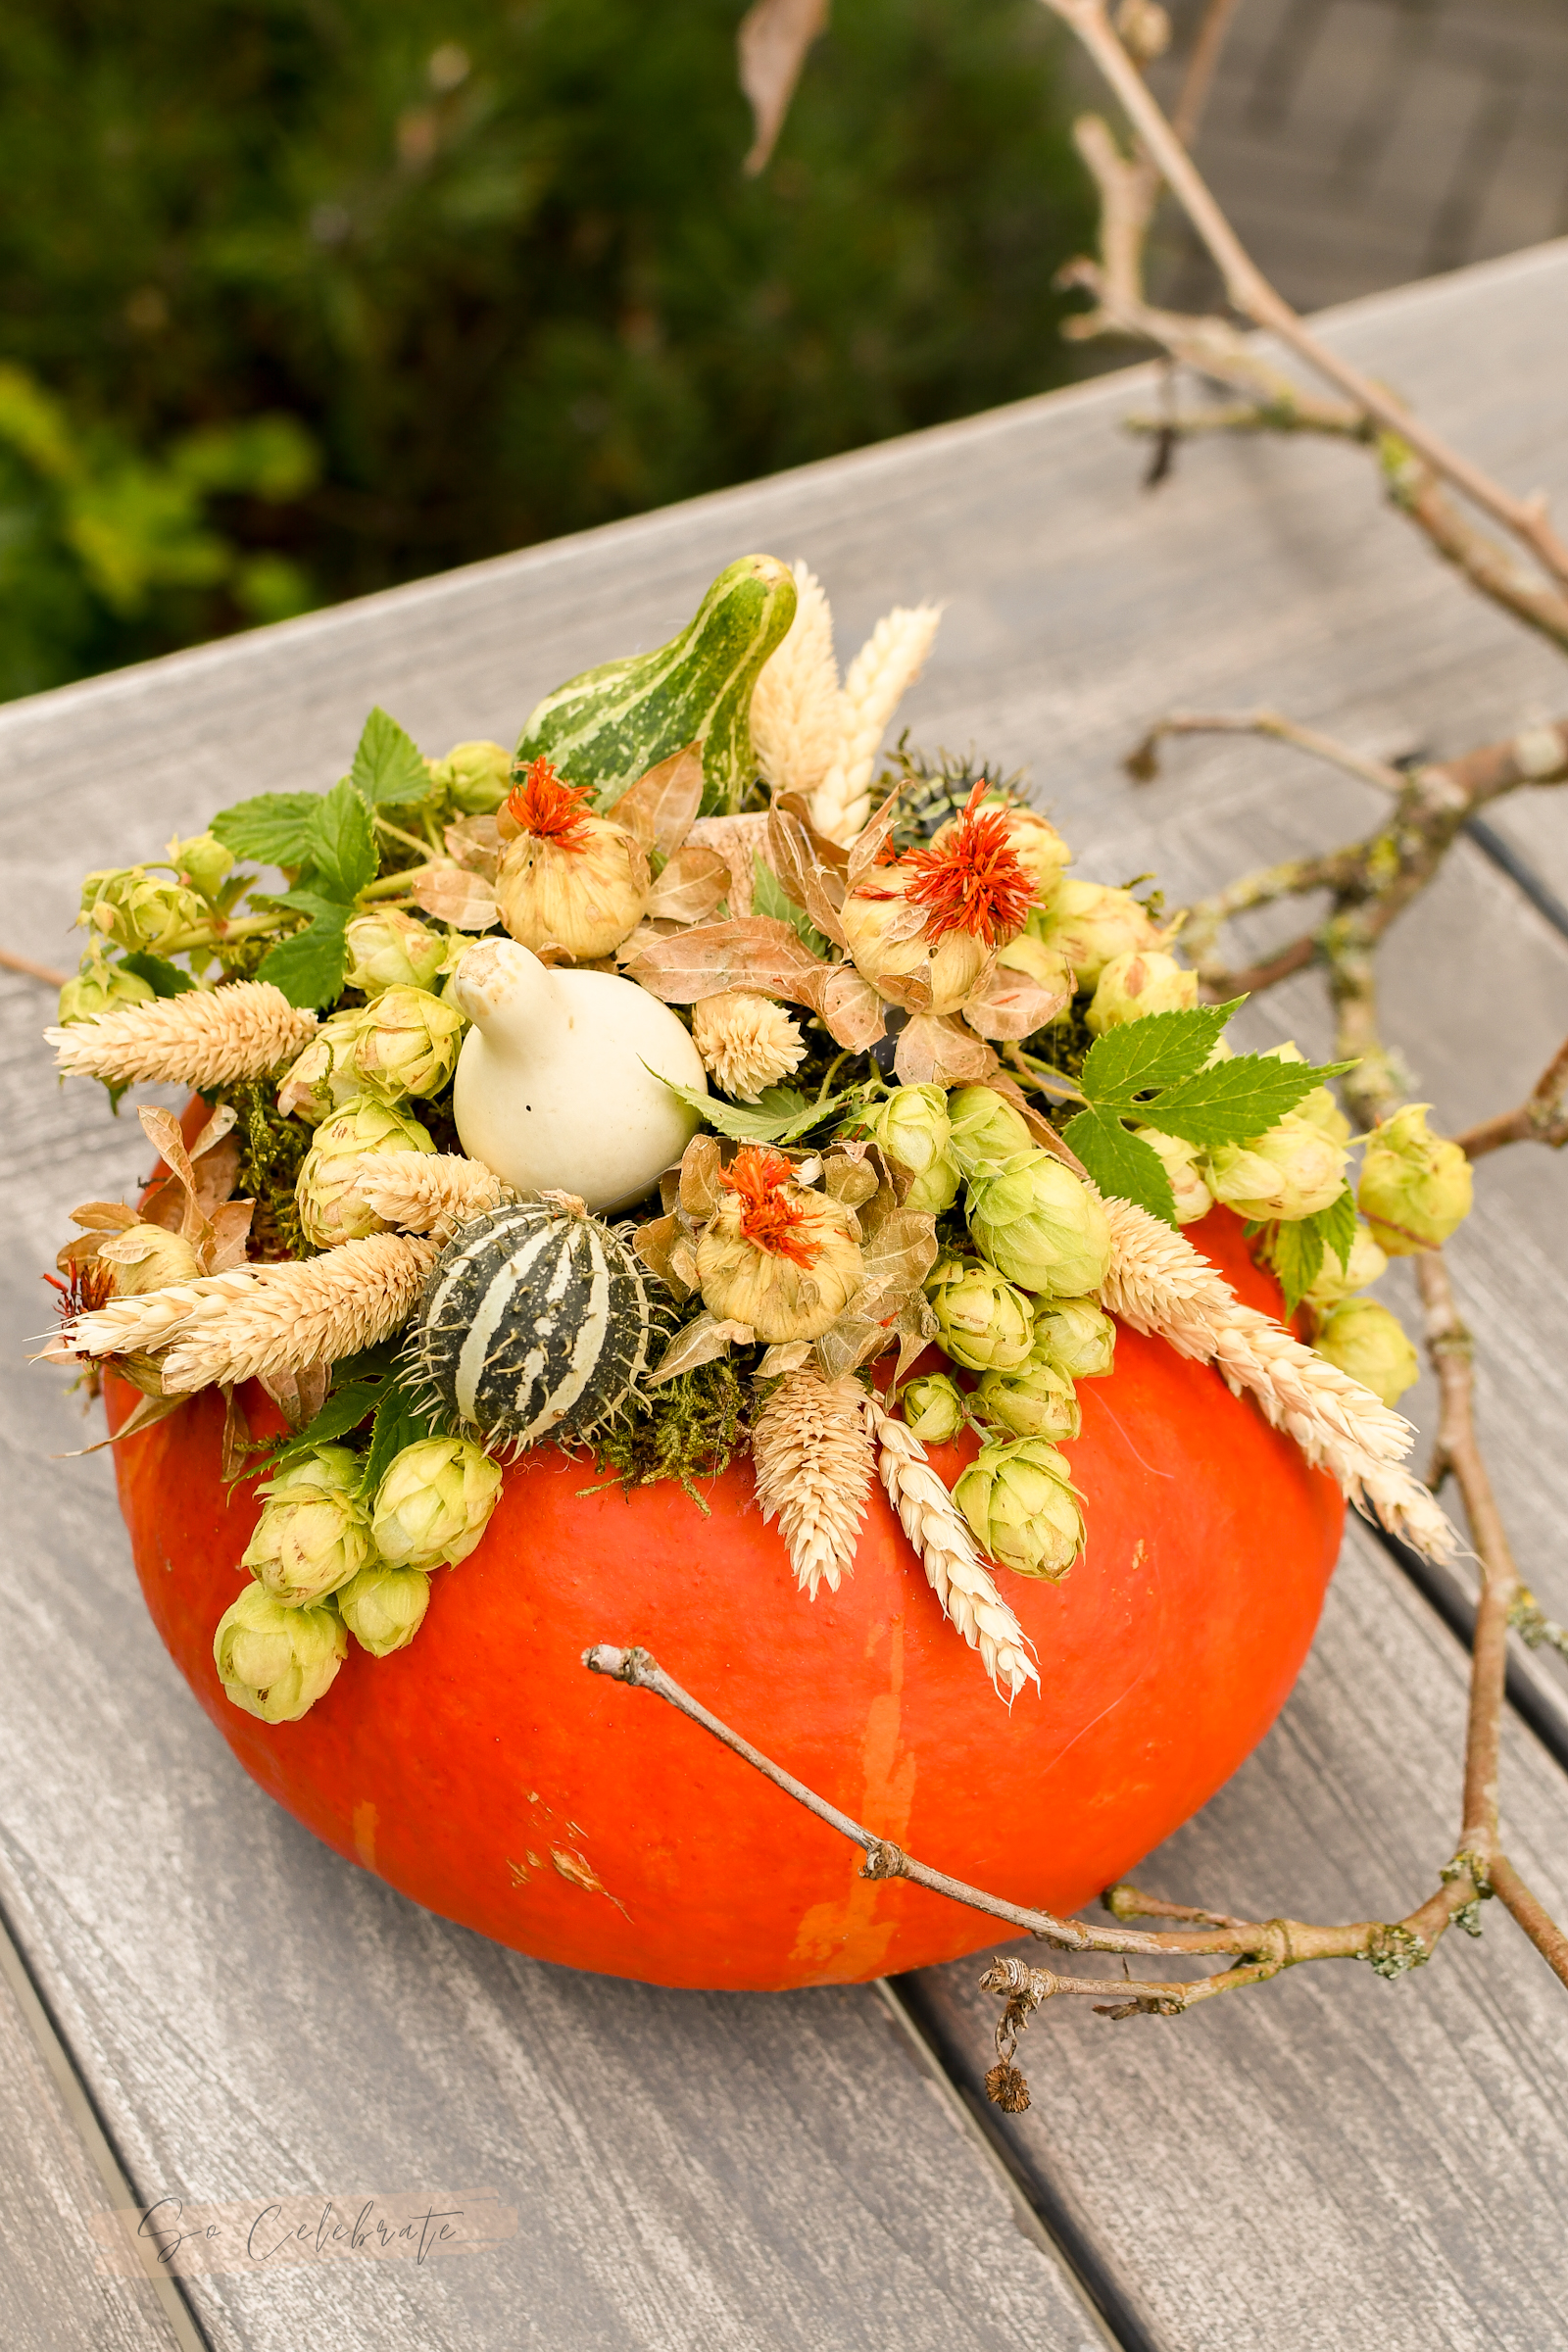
x=656, y=1244
x=690, y=886
x=851, y=1009
x=700, y=1167
x=933, y=1052
x=661, y=808
x=104, y=1216
x=785, y=1356
x=1009, y=1005
x=237, y=1435
x=474, y=844
x=866, y=848
x=454, y=896
x=298, y=1396
x=230, y=1228
x=809, y=867
x=771, y=44
x=699, y=1344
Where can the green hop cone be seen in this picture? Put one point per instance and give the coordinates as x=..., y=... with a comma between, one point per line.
x=986, y=1130
x=1090, y=922
x=1291, y=1171
x=323, y=1079
x=1318, y=1107
x=203, y=863
x=1137, y=983
x=384, y=1607
x=1035, y=1402
x=388, y=948
x=332, y=1207
x=933, y=1409
x=136, y=908
x=476, y=778
x=314, y=1532
x=275, y=1662
x=983, y=1323
x=1019, y=1501
x=1075, y=1338
x=99, y=987
x=1370, y=1343
x=1335, y=1282
x=1415, y=1185
x=912, y=1128
x=1041, y=1225
x=434, y=1502
x=1182, y=1165
x=407, y=1041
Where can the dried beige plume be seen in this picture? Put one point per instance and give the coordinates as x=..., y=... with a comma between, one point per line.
x=423, y=1192
x=882, y=671
x=258, y=1322
x=795, y=707
x=1159, y=1285
x=955, y=1569
x=203, y=1037
x=745, y=1041
x=813, y=1460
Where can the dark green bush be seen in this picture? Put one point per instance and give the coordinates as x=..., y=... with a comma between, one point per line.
x=499, y=263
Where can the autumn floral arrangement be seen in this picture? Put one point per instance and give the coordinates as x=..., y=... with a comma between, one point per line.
x=696, y=1080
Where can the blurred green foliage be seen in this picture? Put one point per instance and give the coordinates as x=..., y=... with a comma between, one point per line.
x=302, y=297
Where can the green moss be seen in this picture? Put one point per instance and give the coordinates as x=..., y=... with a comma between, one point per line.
x=694, y=1427
x=271, y=1150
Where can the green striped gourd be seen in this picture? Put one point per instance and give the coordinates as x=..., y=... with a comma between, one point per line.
x=612, y=725
x=536, y=1322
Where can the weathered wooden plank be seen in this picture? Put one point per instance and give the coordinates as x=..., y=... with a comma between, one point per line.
x=656, y=2207
x=1325, y=2159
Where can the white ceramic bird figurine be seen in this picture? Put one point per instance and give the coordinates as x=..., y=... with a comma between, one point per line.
x=551, y=1091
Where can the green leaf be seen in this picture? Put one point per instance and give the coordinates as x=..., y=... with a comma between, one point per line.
x=342, y=837
x=398, y=1423
x=1235, y=1100
x=165, y=979
x=780, y=1115
x=770, y=898
x=1120, y=1163
x=350, y=1404
x=1337, y=1223
x=1156, y=1052
x=273, y=828
x=1296, y=1255
x=387, y=766
x=309, y=967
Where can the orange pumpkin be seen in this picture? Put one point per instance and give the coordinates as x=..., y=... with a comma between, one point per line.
x=488, y=1776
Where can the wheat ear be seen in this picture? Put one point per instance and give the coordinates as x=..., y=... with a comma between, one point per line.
x=954, y=1566
x=812, y=1459
x=425, y=1192
x=1161, y=1286
x=882, y=671
x=258, y=1322
x=795, y=705
x=203, y=1037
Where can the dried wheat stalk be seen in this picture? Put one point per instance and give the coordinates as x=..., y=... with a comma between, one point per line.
x=812, y=1459
x=882, y=671
x=423, y=1192
x=203, y=1037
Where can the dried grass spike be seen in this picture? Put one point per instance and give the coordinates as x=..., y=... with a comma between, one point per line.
x=203, y=1037
x=881, y=674
x=423, y=1192
x=812, y=1459
x=796, y=714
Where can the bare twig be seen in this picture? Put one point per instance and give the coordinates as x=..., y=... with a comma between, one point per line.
x=13, y=962
x=1202, y=59
x=1541, y=1119
x=1143, y=764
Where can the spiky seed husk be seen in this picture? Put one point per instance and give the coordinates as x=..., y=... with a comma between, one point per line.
x=813, y=1459
x=258, y=1322
x=428, y=1193
x=950, y=1556
x=1159, y=1285
x=203, y=1037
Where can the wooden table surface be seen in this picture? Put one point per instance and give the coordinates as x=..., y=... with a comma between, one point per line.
x=212, y=2007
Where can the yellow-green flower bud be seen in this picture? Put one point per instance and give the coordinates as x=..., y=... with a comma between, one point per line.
x=1137, y=983
x=324, y=1078
x=1090, y=923
x=99, y=987
x=434, y=1502
x=332, y=1207
x=476, y=778
x=1291, y=1171
x=1415, y=1185
x=148, y=1257
x=388, y=948
x=933, y=1408
x=911, y=1126
x=1019, y=1501
x=986, y=1131
x=1318, y=1107
x=983, y=1323
x=1035, y=1402
x=136, y=908
x=1043, y=1227
x=407, y=1041
x=314, y=1532
x=203, y=861
x=1369, y=1343
x=384, y=1607
x=1182, y=1165
x=1075, y=1338
x=1335, y=1282
x=275, y=1662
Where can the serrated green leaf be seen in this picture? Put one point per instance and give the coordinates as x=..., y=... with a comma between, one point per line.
x=770, y=898
x=398, y=1423
x=1296, y=1255
x=309, y=967
x=348, y=1405
x=1337, y=1224
x=781, y=1115
x=1121, y=1164
x=1233, y=1101
x=165, y=979
x=387, y=766
x=343, y=851
x=273, y=828
x=1158, y=1051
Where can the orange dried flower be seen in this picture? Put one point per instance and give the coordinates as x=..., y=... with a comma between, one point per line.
x=768, y=1220
x=550, y=809
x=975, y=880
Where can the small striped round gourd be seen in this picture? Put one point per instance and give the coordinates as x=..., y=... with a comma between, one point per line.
x=537, y=1322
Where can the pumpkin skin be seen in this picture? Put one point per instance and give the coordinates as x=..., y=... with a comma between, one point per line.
x=486, y=1774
